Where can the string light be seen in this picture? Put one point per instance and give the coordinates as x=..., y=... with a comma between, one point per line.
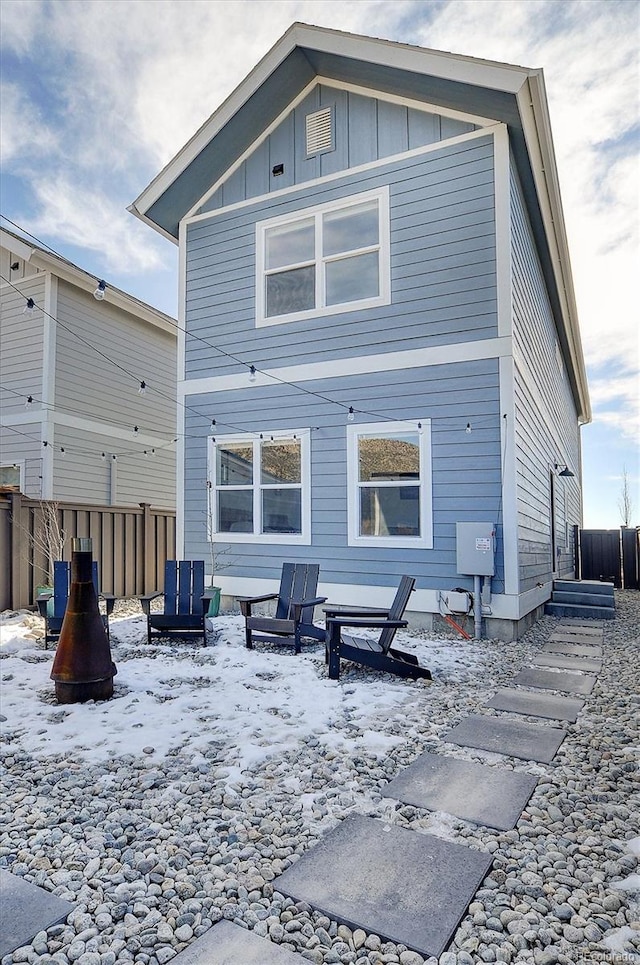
x=30, y=307
x=135, y=430
x=99, y=292
x=468, y=429
x=29, y=402
x=143, y=388
x=252, y=373
x=350, y=414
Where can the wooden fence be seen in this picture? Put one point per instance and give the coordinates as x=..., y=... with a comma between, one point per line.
x=130, y=544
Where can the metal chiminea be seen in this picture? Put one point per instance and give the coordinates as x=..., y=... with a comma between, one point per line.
x=83, y=668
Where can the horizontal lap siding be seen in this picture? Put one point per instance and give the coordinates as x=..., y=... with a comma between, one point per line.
x=21, y=346
x=442, y=268
x=90, y=334
x=546, y=431
x=465, y=478
x=83, y=476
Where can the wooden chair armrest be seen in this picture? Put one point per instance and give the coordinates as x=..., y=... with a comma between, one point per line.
x=42, y=599
x=372, y=624
x=246, y=602
x=110, y=600
x=355, y=611
x=315, y=602
x=145, y=601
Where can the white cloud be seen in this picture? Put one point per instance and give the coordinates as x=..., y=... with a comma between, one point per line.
x=87, y=218
x=23, y=132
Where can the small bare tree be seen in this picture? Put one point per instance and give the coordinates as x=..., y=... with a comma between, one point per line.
x=46, y=540
x=625, y=502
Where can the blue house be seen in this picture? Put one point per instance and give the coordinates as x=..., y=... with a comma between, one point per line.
x=380, y=368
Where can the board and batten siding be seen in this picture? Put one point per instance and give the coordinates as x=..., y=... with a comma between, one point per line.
x=365, y=129
x=466, y=468
x=546, y=428
x=443, y=285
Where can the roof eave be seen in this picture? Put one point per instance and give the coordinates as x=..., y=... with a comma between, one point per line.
x=536, y=124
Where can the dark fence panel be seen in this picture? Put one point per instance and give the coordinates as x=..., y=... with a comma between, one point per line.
x=601, y=556
x=130, y=544
x=631, y=559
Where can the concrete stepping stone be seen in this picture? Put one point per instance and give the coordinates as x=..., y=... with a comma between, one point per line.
x=513, y=738
x=567, y=662
x=577, y=627
x=229, y=944
x=536, y=705
x=399, y=884
x=581, y=639
x=492, y=796
x=564, y=681
x=573, y=649
x=26, y=910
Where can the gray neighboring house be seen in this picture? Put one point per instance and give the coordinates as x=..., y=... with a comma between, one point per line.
x=84, y=409
x=377, y=229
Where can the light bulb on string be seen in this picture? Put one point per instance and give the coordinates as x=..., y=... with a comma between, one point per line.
x=143, y=388
x=350, y=414
x=30, y=307
x=252, y=373
x=468, y=429
x=103, y=456
x=136, y=430
x=99, y=292
x=29, y=402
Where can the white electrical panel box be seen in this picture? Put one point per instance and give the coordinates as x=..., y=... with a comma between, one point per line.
x=476, y=548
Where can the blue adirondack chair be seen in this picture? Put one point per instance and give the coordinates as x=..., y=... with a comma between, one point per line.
x=378, y=654
x=185, y=602
x=293, y=618
x=52, y=605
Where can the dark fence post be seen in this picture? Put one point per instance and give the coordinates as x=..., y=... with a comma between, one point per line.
x=577, y=568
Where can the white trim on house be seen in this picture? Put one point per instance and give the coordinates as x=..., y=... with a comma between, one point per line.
x=49, y=323
x=386, y=362
x=257, y=487
x=180, y=373
x=509, y=477
x=335, y=176
x=316, y=213
x=502, y=180
x=355, y=538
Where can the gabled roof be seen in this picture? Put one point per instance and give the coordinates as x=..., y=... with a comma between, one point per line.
x=505, y=93
x=45, y=260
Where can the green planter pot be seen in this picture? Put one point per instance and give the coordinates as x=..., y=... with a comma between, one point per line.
x=214, y=602
x=46, y=589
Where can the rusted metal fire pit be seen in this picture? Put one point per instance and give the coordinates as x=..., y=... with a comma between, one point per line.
x=82, y=668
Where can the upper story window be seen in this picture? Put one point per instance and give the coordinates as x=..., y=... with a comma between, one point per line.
x=260, y=488
x=389, y=480
x=333, y=258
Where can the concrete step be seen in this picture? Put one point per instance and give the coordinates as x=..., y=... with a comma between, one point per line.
x=582, y=599
x=584, y=586
x=574, y=610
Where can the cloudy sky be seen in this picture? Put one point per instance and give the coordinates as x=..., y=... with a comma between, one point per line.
x=98, y=95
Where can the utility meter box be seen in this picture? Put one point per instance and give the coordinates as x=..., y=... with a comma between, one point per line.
x=476, y=548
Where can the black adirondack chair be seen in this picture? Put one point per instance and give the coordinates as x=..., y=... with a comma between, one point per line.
x=379, y=653
x=293, y=618
x=185, y=602
x=52, y=605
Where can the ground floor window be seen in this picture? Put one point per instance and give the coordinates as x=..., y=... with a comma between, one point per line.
x=389, y=480
x=260, y=487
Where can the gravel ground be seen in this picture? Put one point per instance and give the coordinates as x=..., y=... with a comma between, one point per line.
x=152, y=856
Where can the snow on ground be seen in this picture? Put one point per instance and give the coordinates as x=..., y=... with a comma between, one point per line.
x=181, y=696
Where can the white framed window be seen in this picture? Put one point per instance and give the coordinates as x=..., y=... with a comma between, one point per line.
x=12, y=477
x=389, y=484
x=260, y=487
x=323, y=260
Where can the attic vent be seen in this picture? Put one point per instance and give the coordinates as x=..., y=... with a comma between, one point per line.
x=319, y=126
